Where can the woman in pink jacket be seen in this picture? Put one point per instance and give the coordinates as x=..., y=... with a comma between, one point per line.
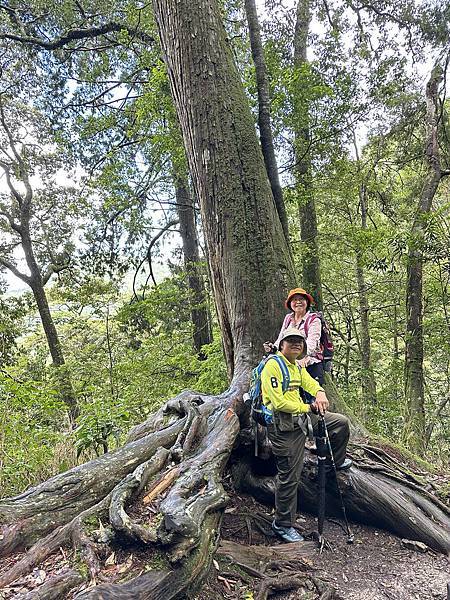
x=309, y=325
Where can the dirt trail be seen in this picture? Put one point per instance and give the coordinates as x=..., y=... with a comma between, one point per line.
x=377, y=566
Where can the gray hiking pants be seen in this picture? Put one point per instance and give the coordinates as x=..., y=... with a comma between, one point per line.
x=288, y=446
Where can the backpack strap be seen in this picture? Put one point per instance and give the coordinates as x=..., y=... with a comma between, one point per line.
x=309, y=319
x=287, y=320
x=284, y=372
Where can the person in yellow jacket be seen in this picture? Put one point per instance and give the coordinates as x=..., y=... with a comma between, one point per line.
x=288, y=426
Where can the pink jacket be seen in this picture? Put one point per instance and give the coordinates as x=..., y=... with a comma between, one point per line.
x=311, y=327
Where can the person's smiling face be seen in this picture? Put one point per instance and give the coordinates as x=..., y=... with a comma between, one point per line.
x=292, y=348
x=299, y=304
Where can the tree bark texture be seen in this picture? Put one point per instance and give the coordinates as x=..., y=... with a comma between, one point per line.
x=265, y=129
x=414, y=429
x=306, y=205
x=248, y=256
x=199, y=307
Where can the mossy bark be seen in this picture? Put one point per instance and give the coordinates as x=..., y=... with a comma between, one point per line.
x=248, y=254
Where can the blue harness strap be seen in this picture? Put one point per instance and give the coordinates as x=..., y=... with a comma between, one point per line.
x=268, y=414
x=284, y=371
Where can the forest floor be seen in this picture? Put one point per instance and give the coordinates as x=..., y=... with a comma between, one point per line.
x=377, y=566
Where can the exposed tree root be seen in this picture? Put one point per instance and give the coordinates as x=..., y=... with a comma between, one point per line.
x=41, y=509
x=279, y=568
x=374, y=499
x=258, y=560
x=164, y=489
x=66, y=510
x=279, y=584
x=134, y=484
x=165, y=584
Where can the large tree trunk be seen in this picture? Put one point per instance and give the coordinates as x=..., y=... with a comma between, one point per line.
x=414, y=429
x=265, y=129
x=311, y=280
x=248, y=255
x=199, y=307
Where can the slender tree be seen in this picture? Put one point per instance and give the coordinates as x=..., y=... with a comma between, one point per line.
x=368, y=383
x=414, y=429
x=23, y=224
x=265, y=129
x=200, y=317
x=311, y=278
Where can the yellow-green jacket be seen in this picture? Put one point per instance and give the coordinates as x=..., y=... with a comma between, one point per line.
x=290, y=401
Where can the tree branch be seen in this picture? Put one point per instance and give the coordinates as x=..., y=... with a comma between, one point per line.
x=5, y=213
x=24, y=202
x=148, y=256
x=12, y=267
x=77, y=34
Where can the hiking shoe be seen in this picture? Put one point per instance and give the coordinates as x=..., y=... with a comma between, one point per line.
x=345, y=465
x=288, y=534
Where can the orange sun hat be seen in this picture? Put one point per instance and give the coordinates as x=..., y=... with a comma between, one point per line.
x=300, y=291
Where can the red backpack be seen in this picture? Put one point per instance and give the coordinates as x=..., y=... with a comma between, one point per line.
x=326, y=342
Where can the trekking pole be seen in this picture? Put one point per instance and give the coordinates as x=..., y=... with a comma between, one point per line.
x=321, y=476
x=350, y=536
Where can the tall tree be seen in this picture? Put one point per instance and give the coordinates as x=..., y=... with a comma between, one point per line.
x=368, y=383
x=414, y=428
x=311, y=278
x=237, y=211
x=198, y=299
x=27, y=220
x=265, y=129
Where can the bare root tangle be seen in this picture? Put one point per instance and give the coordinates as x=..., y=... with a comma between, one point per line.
x=198, y=489
x=284, y=583
x=381, y=462
x=165, y=585
x=175, y=408
x=133, y=484
x=258, y=560
x=55, y=502
x=279, y=584
x=50, y=544
x=75, y=531
x=369, y=498
x=190, y=409
x=396, y=507
x=289, y=561
x=201, y=436
x=88, y=550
